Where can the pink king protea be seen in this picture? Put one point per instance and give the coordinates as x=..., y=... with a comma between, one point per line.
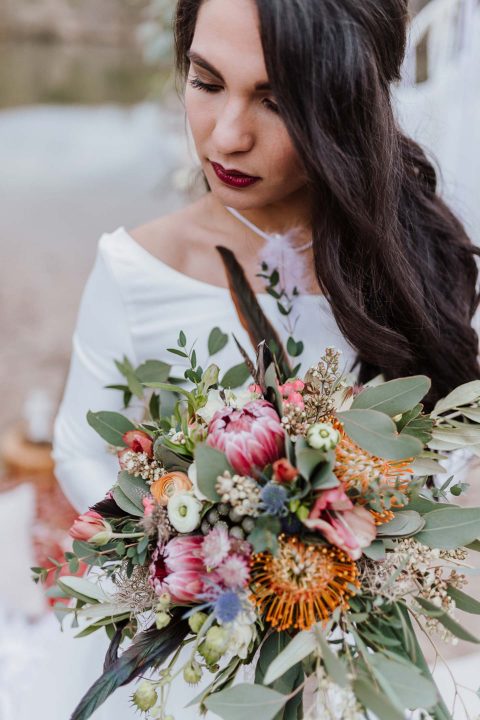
x=251, y=437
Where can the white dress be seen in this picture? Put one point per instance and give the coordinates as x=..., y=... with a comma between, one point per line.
x=135, y=305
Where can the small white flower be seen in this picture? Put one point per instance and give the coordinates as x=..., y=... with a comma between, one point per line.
x=192, y=476
x=184, y=512
x=323, y=436
x=214, y=403
x=239, y=398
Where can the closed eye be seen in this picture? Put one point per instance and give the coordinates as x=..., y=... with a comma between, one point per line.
x=195, y=82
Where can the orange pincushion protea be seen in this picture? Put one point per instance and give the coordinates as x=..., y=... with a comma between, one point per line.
x=358, y=470
x=302, y=584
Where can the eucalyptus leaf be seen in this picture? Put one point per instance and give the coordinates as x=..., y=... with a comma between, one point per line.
x=393, y=397
x=446, y=620
x=235, y=377
x=153, y=371
x=171, y=461
x=134, y=487
x=297, y=649
x=82, y=589
x=124, y=503
x=410, y=688
x=246, y=700
x=450, y=528
x=111, y=426
x=376, y=432
x=375, y=700
x=462, y=395
x=404, y=524
x=334, y=666
x=210, y=463
x=462, y=436
x=216, y=341
x=463, y=601
x=375, y=551
x=426, y=466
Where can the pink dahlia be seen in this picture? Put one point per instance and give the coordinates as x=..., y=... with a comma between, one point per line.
x=251, y=437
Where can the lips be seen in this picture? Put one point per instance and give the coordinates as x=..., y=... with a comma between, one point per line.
x=233, y=177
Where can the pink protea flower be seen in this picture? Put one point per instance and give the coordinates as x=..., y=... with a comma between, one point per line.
x=251, y=437
x=138, y=441
x=348, y=526
x=178, y=569
x=86, y=526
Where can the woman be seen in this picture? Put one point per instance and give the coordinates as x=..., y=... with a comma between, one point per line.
x=290, y=110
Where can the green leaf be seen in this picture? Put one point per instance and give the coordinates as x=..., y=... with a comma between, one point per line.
x=463, y=395
x=134, y=487
x=450, y=528
x=182, y=340
x=81, y=589
x=308, y=460
x=235, y=377
x=373, y=699
x=210, y=463
x=168, y=457
x=176, y=351
x=210, y=377
x=444, y=618
x=463, y=601
x=475, y=546
x=297, y=649
x=246, y=700
x=375, y=551
x=426, y=466
x=404, y=524
x=393, y=397
x=334, y=666
x=154, y=406
x=110, y=426
x=294, y=349
x=376, y=432
x=265, y=534
x=471, y=414
x=423, y=505
x=153, y=371
x=405, y=683
x=124, y=503
x=216, y=341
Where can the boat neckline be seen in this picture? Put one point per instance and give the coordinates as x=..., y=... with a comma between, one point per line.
x=196, y=281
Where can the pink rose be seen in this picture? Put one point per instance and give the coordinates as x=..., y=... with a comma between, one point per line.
x=86, y=526
x=343, y=524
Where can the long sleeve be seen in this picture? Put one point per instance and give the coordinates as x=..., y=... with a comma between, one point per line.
x=83, y=466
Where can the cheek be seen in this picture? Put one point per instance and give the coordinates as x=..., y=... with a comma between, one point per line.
x=281, y=156
x=199, y=114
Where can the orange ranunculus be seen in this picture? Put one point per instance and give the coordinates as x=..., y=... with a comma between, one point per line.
x=168, y=485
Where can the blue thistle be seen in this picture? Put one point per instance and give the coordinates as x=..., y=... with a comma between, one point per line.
x=273, y=498
x=227, y=606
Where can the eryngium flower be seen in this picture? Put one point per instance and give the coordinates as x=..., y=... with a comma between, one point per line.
x=251, y=437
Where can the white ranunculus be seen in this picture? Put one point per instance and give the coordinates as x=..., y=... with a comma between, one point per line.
x=192, y=476
x=184, y=512
x=214, y=403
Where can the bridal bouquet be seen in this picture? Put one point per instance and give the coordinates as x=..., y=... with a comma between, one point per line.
x=293, y=527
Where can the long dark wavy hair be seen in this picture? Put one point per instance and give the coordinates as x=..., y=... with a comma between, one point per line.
x=395, y=262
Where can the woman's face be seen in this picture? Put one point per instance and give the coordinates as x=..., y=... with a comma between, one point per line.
x=231, y=110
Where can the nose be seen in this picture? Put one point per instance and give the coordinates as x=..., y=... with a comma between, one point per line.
x=233, y=131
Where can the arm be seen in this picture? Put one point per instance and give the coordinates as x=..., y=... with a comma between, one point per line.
x=83, y=466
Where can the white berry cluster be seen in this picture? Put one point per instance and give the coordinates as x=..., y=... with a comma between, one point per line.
x=241, y=492
x=140, y=465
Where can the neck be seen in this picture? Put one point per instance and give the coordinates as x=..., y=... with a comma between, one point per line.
x=277, y=217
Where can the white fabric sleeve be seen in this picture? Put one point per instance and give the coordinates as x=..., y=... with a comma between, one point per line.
x=83, y=466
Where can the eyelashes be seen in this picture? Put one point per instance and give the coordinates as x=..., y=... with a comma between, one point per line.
x=195, y=82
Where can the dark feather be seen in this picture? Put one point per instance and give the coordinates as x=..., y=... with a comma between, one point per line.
x=150, y=648
x=109, y=508
x=251, y=315
x=251, y=367
x=112, y=653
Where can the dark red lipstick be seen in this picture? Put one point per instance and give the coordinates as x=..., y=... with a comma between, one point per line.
x=232, y=177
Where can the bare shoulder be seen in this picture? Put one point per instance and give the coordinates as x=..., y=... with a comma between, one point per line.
x=168, y=236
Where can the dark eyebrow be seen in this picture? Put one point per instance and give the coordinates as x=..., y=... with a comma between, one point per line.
x=201, y=62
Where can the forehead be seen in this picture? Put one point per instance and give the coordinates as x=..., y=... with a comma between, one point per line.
x=227, y=34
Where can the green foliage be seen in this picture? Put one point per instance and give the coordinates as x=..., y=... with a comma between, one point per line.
x=236, y=376
x=134, y=488
x=450, y=527
x=210, y=463
x=110, y=426
x=244, y=700
x=265, y=534
x=376, y=432
x=394, y=397
x=217, y=340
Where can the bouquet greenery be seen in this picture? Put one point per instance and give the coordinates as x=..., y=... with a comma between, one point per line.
x=297, y=526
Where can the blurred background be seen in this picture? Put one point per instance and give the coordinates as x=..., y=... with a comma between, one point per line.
x=93, y=136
